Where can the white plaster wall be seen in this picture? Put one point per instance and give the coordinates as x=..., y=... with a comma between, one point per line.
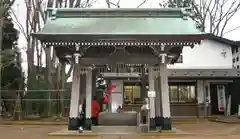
x=208, y=55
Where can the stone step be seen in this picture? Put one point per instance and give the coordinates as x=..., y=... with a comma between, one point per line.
x=115, y=129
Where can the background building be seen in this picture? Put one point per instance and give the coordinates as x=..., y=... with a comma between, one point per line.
x=236, y=55
x=213, y=53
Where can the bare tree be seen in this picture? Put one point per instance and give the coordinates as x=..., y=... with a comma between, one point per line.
x=117, y=4
x=211, y=15
x=35, y=19
x=110, y=3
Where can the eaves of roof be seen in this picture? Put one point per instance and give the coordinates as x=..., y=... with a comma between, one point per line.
x=232, y=43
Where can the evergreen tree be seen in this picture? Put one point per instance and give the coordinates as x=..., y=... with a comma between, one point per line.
x=10, y=64
x=10, y=56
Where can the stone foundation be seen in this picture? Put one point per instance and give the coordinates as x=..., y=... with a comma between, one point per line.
x=73, y=123
x=88, y=124
x=152, y=124
x=158, y=121
x=166, y=123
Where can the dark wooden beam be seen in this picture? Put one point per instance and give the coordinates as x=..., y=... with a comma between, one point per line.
x=128, y=60
x=78, y=38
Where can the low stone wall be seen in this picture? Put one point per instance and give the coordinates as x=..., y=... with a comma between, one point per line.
x=124, y=118
x=189, y=109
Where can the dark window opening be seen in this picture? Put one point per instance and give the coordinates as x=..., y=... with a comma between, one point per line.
x=237, y=59
x=132, y=94
x=237, y=66
x=233, y=60
x=182, y=93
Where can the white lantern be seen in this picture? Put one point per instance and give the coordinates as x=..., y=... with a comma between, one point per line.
x=77, y=56
x=163, y=57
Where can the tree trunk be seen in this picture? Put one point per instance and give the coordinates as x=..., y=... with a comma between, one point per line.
x=49, y=78
x=58, y=87
x=1, y=40
x=62, y=93
x=1, y=32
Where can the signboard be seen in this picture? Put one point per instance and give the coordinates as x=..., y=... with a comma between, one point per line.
x=221, y=97
x=151, y=94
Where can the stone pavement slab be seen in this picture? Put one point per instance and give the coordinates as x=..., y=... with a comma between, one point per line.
x=202, y=130
x=228, y=119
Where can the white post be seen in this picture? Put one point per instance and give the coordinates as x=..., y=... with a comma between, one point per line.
x=73, y=123
x=200, y=92
x=151, y=95
x=229, y=105
x=88, y=121
x=238, y=111
x=167, y=122
x=207, y=98
x=200, y=97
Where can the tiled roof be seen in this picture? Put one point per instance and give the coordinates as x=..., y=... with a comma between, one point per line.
x=120, y=21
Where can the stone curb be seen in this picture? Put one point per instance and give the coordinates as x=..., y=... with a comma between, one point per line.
x=177, y=122
x=121, y=134
x=155, y=135
x=66, y=123
x=32, y=123
x=224, y=121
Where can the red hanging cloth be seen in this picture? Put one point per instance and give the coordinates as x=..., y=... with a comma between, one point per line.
x=106, y=97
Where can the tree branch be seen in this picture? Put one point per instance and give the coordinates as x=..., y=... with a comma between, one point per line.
x=144, y=1
x=231, y=30
x=16, y=21
x=108, y=3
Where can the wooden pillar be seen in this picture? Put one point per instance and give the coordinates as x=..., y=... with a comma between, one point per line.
x=82, y=89
x=166, y=119
x=82, y=102
x=88, y=121
x=94, y=82
x=143, y=85
x=151, y=95
x=158, y=102
x=73, y=122
x=109, y=103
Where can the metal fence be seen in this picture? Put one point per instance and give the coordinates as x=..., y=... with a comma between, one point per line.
x=34, y=104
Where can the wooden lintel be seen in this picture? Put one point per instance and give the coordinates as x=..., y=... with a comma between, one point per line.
x=109, y=61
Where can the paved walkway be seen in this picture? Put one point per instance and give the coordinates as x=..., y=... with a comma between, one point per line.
x=229, y=119
x=201, y=130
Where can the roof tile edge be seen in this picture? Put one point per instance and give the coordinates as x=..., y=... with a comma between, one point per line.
x=119, y=12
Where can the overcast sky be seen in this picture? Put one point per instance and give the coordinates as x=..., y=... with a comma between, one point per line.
x=20, y=10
